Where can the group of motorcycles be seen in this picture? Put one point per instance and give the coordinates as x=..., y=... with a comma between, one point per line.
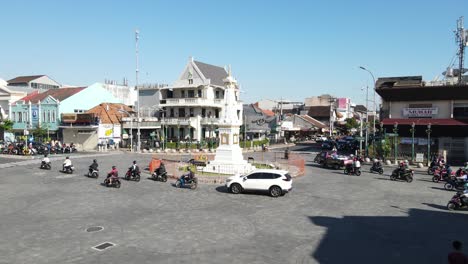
x=160, y=174
x=35, y=149
x=351, y=169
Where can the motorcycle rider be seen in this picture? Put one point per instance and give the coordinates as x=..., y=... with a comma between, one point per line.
x=134, y=168
x=356, y=164
x=67, y=164
x=46, y=159
x=464, y=196
x=463, y=177
x=161, y=170
x=93, y=166
x=187, y=177
x=113, y=175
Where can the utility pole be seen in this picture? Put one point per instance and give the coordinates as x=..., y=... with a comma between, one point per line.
x=138, y=91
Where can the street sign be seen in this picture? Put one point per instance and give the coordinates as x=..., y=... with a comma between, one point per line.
x=359, y=138
x=391, y=135
x=419, y=157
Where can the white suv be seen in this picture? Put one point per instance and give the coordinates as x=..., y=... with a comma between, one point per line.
x=276, y=182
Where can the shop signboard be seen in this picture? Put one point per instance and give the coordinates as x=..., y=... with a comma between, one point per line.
x=420, y=112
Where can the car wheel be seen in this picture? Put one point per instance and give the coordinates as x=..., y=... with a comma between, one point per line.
x=275, y=191
x=235, y=188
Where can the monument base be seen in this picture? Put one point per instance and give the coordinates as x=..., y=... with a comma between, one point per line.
x=229, y=160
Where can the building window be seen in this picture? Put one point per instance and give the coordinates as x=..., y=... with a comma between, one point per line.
x=53, y=115
x=44, y=116
x=182, y=94
x=191, y=93
x=48, y=117
x=203, y=112
x=172, y=112
x=200, y=93
x=14, y=116
x=26, y=117
x=181, y=112
x=20, y=117
x=217, y=113
x=217, y=95
x=191, y=112
x=460, y=111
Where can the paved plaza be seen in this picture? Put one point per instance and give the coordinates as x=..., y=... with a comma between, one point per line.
x=327, y=218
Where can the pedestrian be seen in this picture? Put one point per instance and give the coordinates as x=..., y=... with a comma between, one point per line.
x=457, y=257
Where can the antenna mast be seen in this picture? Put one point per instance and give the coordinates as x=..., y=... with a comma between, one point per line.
x=461, y=40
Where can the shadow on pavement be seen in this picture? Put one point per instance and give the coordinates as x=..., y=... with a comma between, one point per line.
x=389, y=239
x=440, y=188
x=436, y=206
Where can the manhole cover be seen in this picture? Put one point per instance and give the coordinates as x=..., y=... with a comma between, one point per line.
x=94, y=229
x=104, y=246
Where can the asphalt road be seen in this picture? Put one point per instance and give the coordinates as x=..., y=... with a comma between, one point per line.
x=328, y=218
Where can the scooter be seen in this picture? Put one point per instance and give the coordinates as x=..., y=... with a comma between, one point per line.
x=191, y=183
x=45, y=165
x=377, y=167
x=93, y=173
x=159, y=176
x=456, y=202
x=442, y=175
x=130, y=176
x=68, y=170
x=351, y=170
x=407, y=175
x=454, y=184
x=115, y=183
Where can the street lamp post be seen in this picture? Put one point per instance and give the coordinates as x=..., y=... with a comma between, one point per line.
x=412, y=130
x=381, y=138
x=428, y=131
x=395, y=139
x=360, y=134
x=375, y=108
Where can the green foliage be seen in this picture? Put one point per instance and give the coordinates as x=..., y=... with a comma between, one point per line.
x=386, y=147
x=6, y=125
x=350, y=124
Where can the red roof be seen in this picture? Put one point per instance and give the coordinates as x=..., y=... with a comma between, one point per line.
x=24, y=79
x=268, y=112
x=58, y=94
x=109, y=113
x=424, y=121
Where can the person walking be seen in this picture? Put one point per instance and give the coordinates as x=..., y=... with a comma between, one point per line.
x=456, y=256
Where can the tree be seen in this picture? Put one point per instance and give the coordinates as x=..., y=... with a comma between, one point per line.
x=40, y=133
x=6, y=125
x=350, y=124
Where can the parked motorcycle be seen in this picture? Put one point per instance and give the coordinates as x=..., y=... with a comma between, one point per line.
x=132, y=176
x=454, y=184
x=45, y=165
x=93, y=173
x=377, y=167
x=159, y=176
x=351, y=170
x=406, y=175
x=456, y=202
x=68, y=170
x=115, y=183
x=191, y=183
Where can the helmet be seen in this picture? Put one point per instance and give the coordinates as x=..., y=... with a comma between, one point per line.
x=67, y=157
x=45, y=155
x=351, y=155
x=95, y=160
x=134, y=162
x=113, y=167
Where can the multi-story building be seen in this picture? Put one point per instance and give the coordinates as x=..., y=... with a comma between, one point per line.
x=193, y=104
x=437, y=111
x=34, y=81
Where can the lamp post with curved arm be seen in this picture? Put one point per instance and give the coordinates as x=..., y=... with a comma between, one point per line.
x=412, y=130
x=395, y=138
x=375, y=110
x=428, y=131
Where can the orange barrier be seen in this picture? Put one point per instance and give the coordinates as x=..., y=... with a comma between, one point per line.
x=154, y=164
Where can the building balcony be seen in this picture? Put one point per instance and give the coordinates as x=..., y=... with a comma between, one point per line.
x=209, y=121
x=191, y=102
x=181, y=121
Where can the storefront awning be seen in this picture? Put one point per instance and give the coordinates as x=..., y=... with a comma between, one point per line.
x=424, y=121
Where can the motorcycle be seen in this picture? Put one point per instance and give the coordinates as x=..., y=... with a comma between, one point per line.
x=93, y=173
x=442, y=175
x=456, y=202
x=454, y=184
x=377, y=167
x=115, y=183
x=182, y=182
x=45, y=165
x=132, y=176
x=351, y=170
x=432, y=169
x=68, y=170
x=407, y=175
x=157, y=176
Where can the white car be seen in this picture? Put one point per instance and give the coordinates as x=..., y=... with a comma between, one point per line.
x=321, y=138
x=275, y=182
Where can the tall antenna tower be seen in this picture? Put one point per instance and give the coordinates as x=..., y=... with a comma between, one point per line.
x=461, y=37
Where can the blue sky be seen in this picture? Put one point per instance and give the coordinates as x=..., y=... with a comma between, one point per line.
x=290, y=49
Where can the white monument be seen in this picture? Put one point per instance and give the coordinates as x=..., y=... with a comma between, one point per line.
x=228, y=158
